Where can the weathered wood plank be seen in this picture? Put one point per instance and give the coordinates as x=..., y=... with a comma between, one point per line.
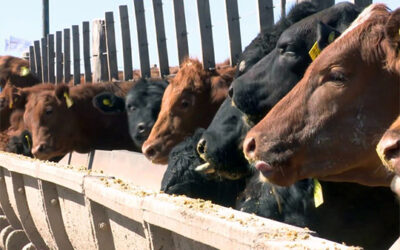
x=51, y=57
x=181, y=32
x=59, y=59
x=32, y=63
x=235, y=43
x=45, y=67
x=265, y=14
x=76, y=54
x=86, y=51
x=161, y=39
x=126, y=42
x=99, y=57
x=67, y=55
x=38, y=60
x=111, y=47
x=207, y=45
x=142, y=38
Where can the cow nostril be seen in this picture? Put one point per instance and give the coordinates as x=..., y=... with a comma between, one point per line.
x=230, y=91
x=149, y=152
x=250, y=147
x=201, y=146
x=140, y=128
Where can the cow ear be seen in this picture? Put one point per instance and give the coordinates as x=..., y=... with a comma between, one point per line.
x=325, y=35
x=62, y=94
x=392, y=34
x=109, y=103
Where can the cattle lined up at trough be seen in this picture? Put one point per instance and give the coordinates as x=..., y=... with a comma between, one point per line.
x=300, y=106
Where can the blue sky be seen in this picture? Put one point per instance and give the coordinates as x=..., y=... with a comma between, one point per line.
x=23, y=19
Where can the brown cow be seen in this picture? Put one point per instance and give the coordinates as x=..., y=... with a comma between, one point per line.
x=190, y=101
x=16, y=71
x=13, y=99
x=389, y=147
x=64, y=120
x=328, y=125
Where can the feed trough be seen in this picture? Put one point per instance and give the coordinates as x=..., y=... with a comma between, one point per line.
x=60, y=206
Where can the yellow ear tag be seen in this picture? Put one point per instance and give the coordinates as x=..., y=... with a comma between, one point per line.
x=107, y=102
x=331, y=37
x=314, y=51
x=10, y=104
x=68, y=100
x=24, y=71
x=318, y=197
x=28, y=141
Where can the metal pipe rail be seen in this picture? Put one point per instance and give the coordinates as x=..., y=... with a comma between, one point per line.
x=57, y=206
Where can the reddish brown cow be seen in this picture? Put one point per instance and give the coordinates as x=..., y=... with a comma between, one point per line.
x=64, y=120
x=389, y=147
x=13, y=99
x=190, y=101
x=328, y=125
x=16, y=71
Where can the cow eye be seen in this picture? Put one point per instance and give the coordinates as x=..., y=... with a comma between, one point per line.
x=336, y=77
x=49, y=110
x=131, y=107
x=185, y=103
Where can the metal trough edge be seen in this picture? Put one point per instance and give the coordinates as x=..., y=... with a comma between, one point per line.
x=171, y=217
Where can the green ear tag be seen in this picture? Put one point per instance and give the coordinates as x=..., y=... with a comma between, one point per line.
x=107, y=102
x=28, y=141
x=314, y=51
x=68, y=100
x=318, y=197
x=24, y=71
x=331, y=37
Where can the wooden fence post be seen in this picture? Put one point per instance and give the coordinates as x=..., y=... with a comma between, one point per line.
x=161, y=39
x=265, y=14
x=51, y=56
x=86, y=51
x=32, y=64
x=45, y=67
x=235, y=44
x=362, y=3
x=142, y=38
x=207, y=43
x=111, y=47
x=67, y=56
x=59, y=59
x=181, y=33
x=76, y=54
x=38, y=61
x=99, y=57
x=126, y=42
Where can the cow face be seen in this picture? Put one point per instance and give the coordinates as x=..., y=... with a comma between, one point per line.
x=270, y=79
x=43, y=112
x=221, y=144
x=142, y=105
x=190, y=101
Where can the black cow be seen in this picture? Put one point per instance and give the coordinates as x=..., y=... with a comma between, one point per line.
x=265, y=41
x=182, y=179
x=21, y=144
x=142, y=105
x=257, y=91
x=225, y=134
x=350, y=212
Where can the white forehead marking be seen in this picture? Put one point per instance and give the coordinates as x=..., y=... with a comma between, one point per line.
x=364, y=16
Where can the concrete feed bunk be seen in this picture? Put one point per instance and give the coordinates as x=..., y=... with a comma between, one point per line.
x=57, y=206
